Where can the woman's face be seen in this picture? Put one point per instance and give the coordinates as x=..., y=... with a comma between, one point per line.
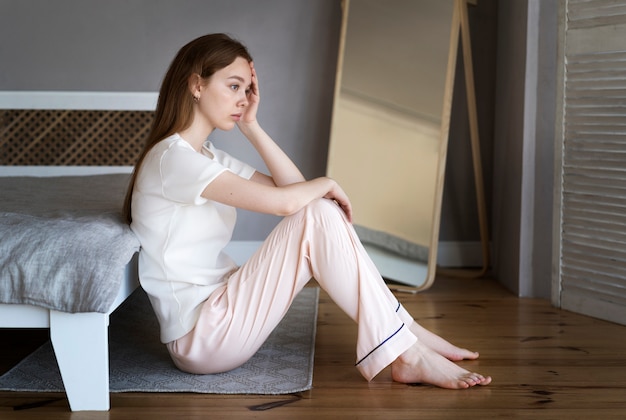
x=224, y=98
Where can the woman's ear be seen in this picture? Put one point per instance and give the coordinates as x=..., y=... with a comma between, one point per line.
x=195, y=83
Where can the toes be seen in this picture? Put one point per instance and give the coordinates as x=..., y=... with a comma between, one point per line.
x=486, y=381
x=472, y=379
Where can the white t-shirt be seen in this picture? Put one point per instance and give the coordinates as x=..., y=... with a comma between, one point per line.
x=182, y=234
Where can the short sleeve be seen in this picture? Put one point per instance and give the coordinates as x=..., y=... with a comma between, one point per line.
x=185, y=173
x=240, y=168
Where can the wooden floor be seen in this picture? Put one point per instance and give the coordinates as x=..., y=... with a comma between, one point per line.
x=545, y=363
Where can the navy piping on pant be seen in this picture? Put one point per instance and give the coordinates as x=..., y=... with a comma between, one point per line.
x=387, y=339
x=375, y=348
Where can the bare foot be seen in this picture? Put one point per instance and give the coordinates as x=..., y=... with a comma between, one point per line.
x=441, y=346
x=420, y=364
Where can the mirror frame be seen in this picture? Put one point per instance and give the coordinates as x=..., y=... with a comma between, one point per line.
x=391, y=266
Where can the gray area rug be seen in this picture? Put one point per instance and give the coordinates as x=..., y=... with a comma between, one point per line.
x=140, y=363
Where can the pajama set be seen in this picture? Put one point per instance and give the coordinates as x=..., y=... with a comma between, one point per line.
x=214, y=315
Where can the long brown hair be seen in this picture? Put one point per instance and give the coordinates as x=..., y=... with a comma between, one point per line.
x=174, y=111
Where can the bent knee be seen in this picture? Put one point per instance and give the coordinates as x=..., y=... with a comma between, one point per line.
x=323, y=205
x=324, y=208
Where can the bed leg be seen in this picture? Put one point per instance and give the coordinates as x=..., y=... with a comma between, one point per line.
x=81, y=346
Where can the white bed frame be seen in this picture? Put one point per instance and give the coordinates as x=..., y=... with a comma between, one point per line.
x=80, y=340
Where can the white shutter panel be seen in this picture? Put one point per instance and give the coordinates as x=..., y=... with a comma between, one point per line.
x=591, y=204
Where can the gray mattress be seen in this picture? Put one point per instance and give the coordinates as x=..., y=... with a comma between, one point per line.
x=63, y=242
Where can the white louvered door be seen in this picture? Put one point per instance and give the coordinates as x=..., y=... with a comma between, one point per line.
x=590, y=206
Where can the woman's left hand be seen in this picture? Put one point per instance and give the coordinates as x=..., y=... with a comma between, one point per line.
x=338, y=195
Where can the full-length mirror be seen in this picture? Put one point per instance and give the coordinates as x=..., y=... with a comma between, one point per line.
x=390, y=128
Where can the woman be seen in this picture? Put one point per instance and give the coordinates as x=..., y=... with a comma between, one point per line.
x=182, y=203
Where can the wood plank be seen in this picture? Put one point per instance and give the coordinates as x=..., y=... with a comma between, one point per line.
x=546, y=363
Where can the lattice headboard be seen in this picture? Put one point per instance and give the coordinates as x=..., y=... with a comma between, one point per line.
x=43, y=137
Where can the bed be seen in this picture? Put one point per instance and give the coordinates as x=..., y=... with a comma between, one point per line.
x=67, y=261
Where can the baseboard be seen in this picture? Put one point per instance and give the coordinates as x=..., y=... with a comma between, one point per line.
x=456, y=254
x=449, y=253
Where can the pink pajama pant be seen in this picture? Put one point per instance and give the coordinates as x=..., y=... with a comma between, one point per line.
x=317, y=242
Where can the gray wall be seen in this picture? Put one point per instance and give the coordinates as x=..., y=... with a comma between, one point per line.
x=523, y=168
x=126, y=45
x=509, y=131
x=459, y=207
x=540, y=281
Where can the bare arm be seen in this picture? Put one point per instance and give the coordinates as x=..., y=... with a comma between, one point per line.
x=282, y=170
x=282, y=193
x=259, y=195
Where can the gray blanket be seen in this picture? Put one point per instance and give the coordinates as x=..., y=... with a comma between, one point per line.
x=63, y=244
